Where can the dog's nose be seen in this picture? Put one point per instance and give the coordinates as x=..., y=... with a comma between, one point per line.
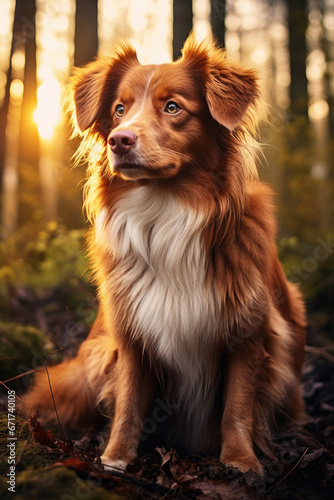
x=122, y=141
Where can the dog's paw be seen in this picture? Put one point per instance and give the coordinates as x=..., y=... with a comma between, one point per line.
x=113, y=465
x=244, y=464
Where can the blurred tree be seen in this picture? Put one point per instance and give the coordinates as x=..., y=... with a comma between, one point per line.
x=86, y=35
x=29, y=134
x=17, y=42
x=29, y=144
x=182, y=24
x=85, y=49
x=297, y=19
x=328, y=44
x=218, y=9
x=20, y=139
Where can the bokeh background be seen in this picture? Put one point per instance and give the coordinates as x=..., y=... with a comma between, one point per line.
x=45, y=294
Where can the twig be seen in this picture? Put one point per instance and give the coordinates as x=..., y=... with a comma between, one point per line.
x=303, y=428
x=322, y=351
x=69, y=313
x=288, y=473
x=19, y=376
x=10, y=390
x=53, y=399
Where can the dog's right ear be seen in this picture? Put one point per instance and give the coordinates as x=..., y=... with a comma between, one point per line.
x=93, y=86
x=86, y=93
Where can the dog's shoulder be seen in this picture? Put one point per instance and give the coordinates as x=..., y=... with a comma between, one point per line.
x=260, y=203
x=258, y=228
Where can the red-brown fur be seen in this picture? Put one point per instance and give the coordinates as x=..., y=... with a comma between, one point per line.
x=202, y=160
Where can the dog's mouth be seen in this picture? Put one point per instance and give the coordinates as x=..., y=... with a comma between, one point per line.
x=133, y=164
x=130, y=170
x=127, y=167
x=135, y=170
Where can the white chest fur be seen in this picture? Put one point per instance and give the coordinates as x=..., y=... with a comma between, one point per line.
x=161, y=266
x=162, y=261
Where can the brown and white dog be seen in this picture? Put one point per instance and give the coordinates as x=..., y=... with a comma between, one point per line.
x=193, y=299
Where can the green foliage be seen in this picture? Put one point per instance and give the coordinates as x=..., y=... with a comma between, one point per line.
x=53, y=256
x=312, y=267
x=302, y=175
x=290, y=172
x=22, y=347
x=48, y=267
x=44, y=282
x=306, y=264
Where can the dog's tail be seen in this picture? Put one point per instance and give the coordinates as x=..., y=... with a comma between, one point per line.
x=74, y=387
x=67, y=391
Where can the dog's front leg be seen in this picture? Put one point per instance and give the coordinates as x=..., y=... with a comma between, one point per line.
x=134, y=396
x=238, y=417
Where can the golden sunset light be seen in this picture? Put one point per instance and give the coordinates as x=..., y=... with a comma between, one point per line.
x=48, y=111
x=256, y=32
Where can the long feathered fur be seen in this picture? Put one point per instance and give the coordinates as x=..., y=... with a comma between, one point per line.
x=193, y=300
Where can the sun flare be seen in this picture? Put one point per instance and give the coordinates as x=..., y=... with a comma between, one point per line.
x=47, y=114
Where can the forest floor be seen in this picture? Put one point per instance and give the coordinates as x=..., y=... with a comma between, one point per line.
x=50, y=466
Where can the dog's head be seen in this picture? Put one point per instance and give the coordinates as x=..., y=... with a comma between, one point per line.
x=155, y=120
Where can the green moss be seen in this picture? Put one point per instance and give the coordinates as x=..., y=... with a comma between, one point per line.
x=58, y=483
x=36, y=476
x=31, y=453
x=22, y=347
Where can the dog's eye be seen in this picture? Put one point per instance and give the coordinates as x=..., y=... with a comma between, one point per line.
x=172, y=107
x=120, y=110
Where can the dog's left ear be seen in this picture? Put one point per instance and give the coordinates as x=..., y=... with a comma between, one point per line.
x=229, y=88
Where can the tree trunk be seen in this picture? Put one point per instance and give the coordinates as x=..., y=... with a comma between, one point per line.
x=329, y=53
x=21, y=138
x=218, y=10
x=297, y=46
x=182, y=24
x=17, y=41
x=86, y=36
x=29, y=174
x=29, y=133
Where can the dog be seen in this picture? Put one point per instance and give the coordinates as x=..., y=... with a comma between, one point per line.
x=193, y=302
